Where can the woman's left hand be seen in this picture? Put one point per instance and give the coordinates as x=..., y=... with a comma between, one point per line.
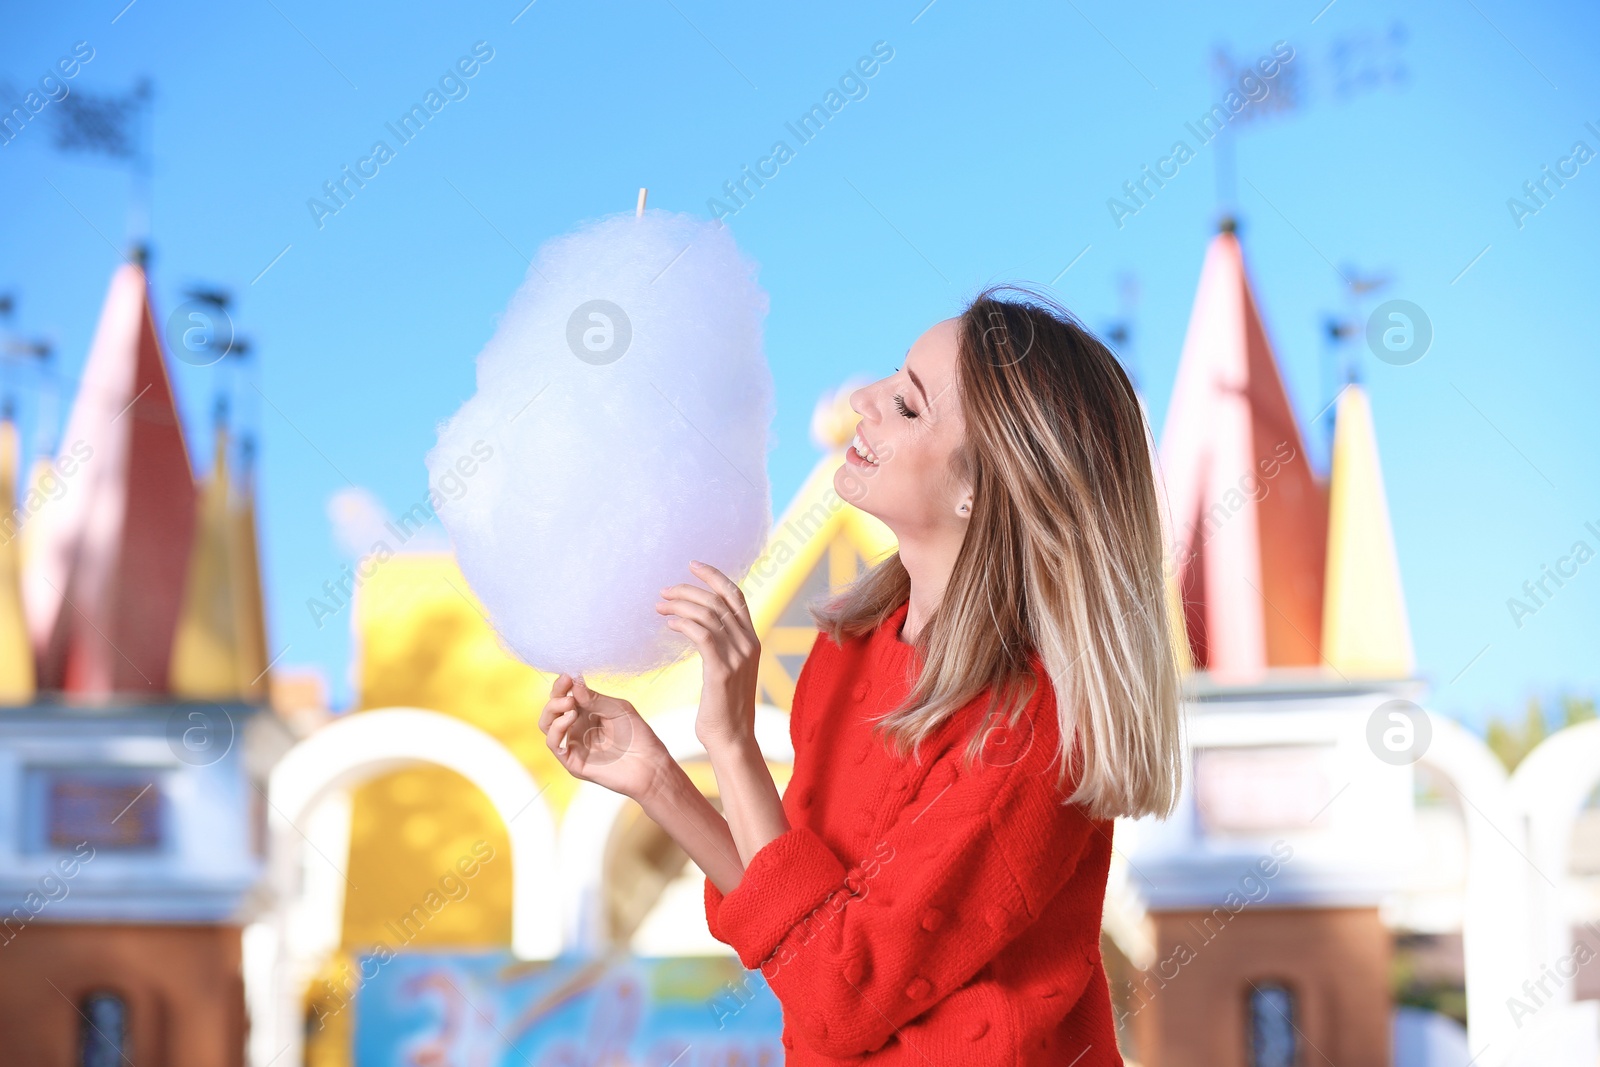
x=718, y=622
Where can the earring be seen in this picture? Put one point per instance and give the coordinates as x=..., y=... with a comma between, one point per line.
x=963, y=507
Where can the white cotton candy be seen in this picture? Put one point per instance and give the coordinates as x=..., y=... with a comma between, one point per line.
x=623, y=440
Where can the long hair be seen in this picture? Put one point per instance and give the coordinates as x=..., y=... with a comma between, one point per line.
x=1062, y=557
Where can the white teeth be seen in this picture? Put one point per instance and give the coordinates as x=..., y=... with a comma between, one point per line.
x=861, y=449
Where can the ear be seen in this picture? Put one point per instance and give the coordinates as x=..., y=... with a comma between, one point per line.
x=960, y=483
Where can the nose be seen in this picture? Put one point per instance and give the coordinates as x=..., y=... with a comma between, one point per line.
x=864, y=401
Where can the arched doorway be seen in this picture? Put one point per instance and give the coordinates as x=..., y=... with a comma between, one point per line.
x=596, y=815
x=345, y=754
x=1552, y=786
x=1496, y=939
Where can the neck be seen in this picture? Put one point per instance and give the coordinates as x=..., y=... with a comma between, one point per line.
x=929, y=561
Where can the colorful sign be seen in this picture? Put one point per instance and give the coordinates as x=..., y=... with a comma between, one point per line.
x=491, y=1010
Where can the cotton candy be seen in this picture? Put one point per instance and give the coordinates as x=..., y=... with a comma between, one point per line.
x=620, y=429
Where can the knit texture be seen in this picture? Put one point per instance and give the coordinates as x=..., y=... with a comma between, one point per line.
x=919, y=912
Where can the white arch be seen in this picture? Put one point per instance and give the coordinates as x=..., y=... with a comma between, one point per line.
x=586, y=826
x=1496, y=935
x=1550, y=786
x=362, y=746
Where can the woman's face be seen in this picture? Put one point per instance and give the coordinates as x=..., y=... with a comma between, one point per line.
x=897, y=467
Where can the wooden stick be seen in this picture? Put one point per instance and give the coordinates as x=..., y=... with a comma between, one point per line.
x=639, y=214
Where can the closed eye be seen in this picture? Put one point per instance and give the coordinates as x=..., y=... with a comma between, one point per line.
x=900, y=405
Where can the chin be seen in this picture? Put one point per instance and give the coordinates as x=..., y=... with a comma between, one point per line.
x=854, y=487
x=845, y=479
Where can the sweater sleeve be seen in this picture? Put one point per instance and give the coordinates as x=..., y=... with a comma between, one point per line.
x=856, y=949
x=713, y=901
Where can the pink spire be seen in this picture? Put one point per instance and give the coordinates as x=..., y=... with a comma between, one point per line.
x=1250, y=518
x=104, y=587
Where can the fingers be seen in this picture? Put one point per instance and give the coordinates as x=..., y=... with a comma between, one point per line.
x=561, y=700
x=562, y=719
x=725, y=588
x=694, y=632
x=718, y=639
x=723, y=596
x=555, y=708
x=724, y=601
x=707, y=616
x=716, y=620
x=686, y=593
x=556, y=736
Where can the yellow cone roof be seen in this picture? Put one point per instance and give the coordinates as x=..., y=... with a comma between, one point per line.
x=1365, y=632
x=205, y=650
x=16, y=650
x=250, y=619
x=219, y=652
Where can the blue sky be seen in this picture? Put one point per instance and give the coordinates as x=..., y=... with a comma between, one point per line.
x=985, y=150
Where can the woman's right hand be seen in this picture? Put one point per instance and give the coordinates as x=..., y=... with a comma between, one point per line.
x=602, y=739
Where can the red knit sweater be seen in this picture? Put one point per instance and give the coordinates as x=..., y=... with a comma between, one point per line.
x=919, y=913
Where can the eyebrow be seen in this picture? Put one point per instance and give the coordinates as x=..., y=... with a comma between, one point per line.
x=916, y=381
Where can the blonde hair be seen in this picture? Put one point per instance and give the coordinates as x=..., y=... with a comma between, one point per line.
x=1062, y=556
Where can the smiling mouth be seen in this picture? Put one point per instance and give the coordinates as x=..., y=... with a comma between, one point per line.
x=859, y=446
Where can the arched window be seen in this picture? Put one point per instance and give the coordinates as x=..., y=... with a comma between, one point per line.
x=1271, y=1019
x=103, y=1037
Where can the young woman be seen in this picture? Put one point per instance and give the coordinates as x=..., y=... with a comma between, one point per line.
x=928, y=889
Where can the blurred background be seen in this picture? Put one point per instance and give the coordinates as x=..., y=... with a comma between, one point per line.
x=270, y=790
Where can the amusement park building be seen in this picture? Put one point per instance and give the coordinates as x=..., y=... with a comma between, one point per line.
x=231, y=884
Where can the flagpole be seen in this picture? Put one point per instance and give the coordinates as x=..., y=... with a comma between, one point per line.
x=139, y=200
